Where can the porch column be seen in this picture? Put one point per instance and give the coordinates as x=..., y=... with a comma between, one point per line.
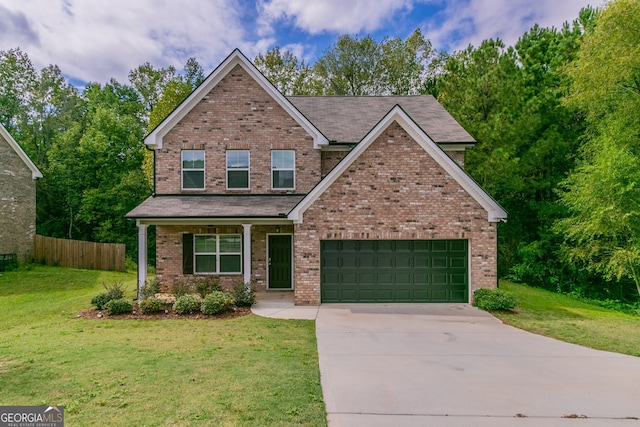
x=246, y=252
x=142, y=258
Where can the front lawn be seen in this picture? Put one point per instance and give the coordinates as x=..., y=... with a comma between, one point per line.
x=567, y=319
x=248, y=371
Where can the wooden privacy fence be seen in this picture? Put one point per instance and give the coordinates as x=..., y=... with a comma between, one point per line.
x=79, y=254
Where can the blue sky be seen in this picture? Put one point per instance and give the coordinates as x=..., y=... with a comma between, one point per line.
x=94, y=40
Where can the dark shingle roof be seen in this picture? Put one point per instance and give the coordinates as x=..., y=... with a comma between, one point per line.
x=215, y=206
x=349, y=118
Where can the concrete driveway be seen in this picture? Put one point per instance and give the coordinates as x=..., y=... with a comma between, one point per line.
x=454, y=365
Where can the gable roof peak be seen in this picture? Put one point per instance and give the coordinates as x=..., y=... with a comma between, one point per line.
x=495, y=212
x=35, y=172
x=235, y=58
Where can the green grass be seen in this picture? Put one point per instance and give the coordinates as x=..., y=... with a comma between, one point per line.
x=567, y=319
x=248, y=371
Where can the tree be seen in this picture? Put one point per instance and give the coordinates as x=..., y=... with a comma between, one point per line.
x=149, y=83
x=94, y=169
x=365, y=67
x=287, y=73
x=18, y=77
x=603, y=193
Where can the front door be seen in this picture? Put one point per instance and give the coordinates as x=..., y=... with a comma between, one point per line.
x=280, y=261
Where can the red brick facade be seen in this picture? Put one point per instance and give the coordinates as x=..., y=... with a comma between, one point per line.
x=404, y=196
x=169, y=251
x=238, y=114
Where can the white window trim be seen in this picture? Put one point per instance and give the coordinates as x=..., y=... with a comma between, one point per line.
x=217, y=254
x=291, y=169
x=248, y=169
x=183, y=170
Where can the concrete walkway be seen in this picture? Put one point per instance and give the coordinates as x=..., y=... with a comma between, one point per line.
x=453, y=365
x=279, y=305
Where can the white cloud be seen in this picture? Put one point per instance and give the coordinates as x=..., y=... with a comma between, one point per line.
x=465, y=22
x=337, y=16
x=94, y=40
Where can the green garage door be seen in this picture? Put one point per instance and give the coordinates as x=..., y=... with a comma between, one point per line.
x=394, y=271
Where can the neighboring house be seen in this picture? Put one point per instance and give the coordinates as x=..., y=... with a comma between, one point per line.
x=342, y=199
x=17, y=198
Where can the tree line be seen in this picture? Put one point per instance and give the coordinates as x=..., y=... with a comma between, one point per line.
x=556, y=117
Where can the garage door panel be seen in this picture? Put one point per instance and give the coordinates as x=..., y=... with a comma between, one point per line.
x=404, y=246
x=458, y=279
x=394, y=271
x=457, y=262
x=349, y=261
x=403, y=261
x=367, y=245
x=349, y=278
x=385, y=262
x=403, y=278
x=458, y=246
x=385, y=278
x=385, y=245
x=439, y=278
x=439, y=246
x=421, y=278
x=366, y=262
x=420, y=246
x=439, y=262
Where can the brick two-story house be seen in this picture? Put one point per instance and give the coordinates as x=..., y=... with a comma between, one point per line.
x=17, y=198
x=340, y=199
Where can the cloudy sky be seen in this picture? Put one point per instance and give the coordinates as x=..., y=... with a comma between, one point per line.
x=94, y=40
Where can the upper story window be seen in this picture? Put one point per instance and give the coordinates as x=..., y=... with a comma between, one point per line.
x=238, y=169
x=218, y=253
x=283, y=163
x=193, y=169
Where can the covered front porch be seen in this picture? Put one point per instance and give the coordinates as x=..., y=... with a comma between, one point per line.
x=197, y=236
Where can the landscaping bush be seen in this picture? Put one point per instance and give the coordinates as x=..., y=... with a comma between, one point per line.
x=217, y=302
x=187, y=304
x=100, y=300
x=206, y=285
x=180, y=288
x=114, y=291
x=244, y=294
x=151, y=305
x=494, y=299
x=151, y=288
x=119, y=306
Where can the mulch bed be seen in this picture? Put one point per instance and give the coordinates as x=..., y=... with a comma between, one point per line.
x=168, y=314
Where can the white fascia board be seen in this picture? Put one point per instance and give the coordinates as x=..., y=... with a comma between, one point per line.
x=35, y=172
x=397, y=114
x=154, y=139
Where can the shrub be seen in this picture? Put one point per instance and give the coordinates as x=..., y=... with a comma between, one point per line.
x=217, y=302
x=151, y=305
x=151, y=288
x=490, y=299
x=115, y=290
x=100, y=300
x=187, y=304
x=119, y=306
x=244, y=294
x=206, y=285
x=180, y=288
